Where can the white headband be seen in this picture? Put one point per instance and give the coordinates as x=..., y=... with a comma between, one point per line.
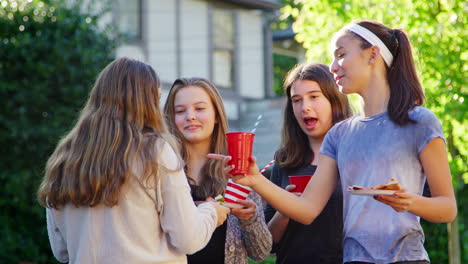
x=373, y=40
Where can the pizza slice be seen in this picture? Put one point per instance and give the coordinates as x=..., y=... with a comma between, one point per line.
x=393, y=184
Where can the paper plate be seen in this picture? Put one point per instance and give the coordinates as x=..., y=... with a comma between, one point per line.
x=372, y=192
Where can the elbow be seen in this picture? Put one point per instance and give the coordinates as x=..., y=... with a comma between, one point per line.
x=187, y=246
x=305, y=221
x=446, y=217
x=308, y=214
x=452, y=215
x=183, y=240
x=61, y=257
x=189, y=250
x=261, y=249
x=307, y=218
x=261, y=256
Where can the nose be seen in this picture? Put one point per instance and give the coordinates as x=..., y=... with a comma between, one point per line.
x=334, y=67
x=306, y=106
x=189, y=115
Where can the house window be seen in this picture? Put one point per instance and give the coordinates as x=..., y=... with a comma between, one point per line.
x=223, y=44
x=129, y=19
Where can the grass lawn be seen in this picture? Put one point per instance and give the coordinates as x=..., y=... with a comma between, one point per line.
x=268, y=260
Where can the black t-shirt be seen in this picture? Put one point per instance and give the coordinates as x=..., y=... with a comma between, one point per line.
x=319, y=242
x=213, y=252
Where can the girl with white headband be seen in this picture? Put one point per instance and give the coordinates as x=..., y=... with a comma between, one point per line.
x=395, y=138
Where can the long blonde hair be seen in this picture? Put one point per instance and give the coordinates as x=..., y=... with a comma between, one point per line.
x=120, y=124
x=214, y=179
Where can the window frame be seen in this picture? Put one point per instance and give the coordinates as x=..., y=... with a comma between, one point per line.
x=138, y=38
x=233, y=51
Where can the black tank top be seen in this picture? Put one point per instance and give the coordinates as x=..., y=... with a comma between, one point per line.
x=213, y=252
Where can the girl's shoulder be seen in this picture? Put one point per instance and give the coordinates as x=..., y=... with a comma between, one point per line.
x=167, y=154
x=423, y=116
x=344, y=124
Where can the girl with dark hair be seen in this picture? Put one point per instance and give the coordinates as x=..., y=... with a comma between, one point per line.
x=195, y=113
x=313, y=106
x=396, y=138
x=114, y=188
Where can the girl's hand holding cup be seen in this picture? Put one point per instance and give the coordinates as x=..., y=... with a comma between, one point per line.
x=291, y=187
x=246, y=213
x=251, y=179
x=221, y=211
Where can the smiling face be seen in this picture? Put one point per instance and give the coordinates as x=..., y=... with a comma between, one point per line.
x=350, y=64
x=311, y=108
x=195, y=115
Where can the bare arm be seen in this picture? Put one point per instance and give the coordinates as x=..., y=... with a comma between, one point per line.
x=277, y=226
x=441, y=206
x=279, y=222
x=303, y=209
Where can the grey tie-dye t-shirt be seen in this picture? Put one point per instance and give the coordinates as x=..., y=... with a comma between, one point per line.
x=371, y=151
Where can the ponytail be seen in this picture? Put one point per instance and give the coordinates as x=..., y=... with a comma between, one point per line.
x=405, y=89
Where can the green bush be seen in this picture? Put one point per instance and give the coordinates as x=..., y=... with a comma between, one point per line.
x=50, y=55
x=282, y=64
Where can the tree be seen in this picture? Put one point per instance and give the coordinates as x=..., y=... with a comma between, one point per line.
x=437, y=30
x=50, y=55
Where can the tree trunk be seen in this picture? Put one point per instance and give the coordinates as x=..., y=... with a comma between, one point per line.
x=453, y=242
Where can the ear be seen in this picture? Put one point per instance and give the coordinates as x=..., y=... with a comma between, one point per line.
x=374, y=53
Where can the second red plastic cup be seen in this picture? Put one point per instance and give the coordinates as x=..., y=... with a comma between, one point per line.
x=300, y=182
x=235, y=192
x=240, y=149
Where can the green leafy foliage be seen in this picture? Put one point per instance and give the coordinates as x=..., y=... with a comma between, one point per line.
x=50, y=55
x=437, y=30
x=282, y=64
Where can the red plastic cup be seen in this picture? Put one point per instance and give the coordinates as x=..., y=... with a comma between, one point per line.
x=300, y=181
x=240, y=149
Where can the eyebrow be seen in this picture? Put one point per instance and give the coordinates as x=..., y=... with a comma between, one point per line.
x=309, y=92
x=199, y=102
x=337, y=49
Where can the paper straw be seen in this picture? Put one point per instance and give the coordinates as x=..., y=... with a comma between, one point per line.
x=267, y=166
x=256, y=123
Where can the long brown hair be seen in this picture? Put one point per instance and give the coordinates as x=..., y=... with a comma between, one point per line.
x=214, y=179
x=294, y=151
x=118, y=126
x=405, y=88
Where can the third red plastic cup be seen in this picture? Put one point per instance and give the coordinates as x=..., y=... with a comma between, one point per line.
x=300, y=182
x=240, y=149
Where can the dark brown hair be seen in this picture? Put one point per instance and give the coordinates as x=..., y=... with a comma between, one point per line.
x=214, y=179
x=294, y=150
x=405, y=88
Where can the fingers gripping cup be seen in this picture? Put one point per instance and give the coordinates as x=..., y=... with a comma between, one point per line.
x=240, y=149
x=300, y=182
x=236, y=192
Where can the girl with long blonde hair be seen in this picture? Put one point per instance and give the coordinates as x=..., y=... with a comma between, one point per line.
x=113, y=189
x=196, y=115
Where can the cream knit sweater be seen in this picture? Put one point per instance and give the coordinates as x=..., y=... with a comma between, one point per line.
x=137, y=230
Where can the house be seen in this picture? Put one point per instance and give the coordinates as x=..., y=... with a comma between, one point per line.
x=226, y=41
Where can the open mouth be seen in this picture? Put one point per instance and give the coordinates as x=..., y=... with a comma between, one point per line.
x=310, y=122
x=338, y=79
